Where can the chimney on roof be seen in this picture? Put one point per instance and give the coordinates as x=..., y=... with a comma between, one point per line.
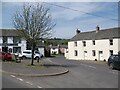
x=77, y=31
x=97, y=29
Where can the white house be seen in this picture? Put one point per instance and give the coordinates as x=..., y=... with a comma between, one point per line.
x=11, y=42
x=94, y=45
x=54, y=50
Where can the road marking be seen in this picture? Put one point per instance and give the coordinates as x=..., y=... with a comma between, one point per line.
x=88, y=66
x=20, y=79
x=39, y=86
x=12, y=75
x=29, y=83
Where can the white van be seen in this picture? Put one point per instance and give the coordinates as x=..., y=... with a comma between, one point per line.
x=28, y=54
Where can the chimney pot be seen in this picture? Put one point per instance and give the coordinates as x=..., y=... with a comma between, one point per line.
x=97, y=28
x=77, y=31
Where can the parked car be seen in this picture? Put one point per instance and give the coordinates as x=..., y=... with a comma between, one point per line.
x=28, y=54
x=5, y=56
x=114, y=61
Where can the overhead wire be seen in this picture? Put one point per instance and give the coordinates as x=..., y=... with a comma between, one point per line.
x=81, y=11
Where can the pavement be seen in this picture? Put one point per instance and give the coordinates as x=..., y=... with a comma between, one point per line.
x=44, y=68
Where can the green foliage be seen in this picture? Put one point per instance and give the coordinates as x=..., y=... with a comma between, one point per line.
x=56, y=41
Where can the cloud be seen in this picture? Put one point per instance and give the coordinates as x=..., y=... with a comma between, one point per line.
x=81, y=10
x=60, y=0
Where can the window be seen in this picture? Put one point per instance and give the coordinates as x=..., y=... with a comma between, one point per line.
x=27, y=52
x=16, y=40
x=93, y=53
x=84, y=43
x=16, y=49
x=75, y=43
x=100, y=52
x=93, y=42
x=76, y=53
x=111, y=42
x=53, y=48
x=85, y=51
x=111, y=52
x=10, y=50
x=4, y=39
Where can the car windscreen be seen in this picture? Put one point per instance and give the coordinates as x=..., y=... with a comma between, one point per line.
x=27, y=52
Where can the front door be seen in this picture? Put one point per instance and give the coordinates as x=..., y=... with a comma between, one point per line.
x=100, y=55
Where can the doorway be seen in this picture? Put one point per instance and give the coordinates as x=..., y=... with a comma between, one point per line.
x=85, y=55
x=100, y=55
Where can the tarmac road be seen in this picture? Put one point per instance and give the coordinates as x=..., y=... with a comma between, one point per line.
x=82, y=74
x=8, y=81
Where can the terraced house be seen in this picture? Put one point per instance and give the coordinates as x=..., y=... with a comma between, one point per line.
x=11, y=42
x=94, y=45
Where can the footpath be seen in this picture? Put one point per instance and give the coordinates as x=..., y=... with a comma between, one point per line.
x=43, y=68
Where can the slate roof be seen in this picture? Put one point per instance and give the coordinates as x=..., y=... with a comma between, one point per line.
x=8, y=32
x=63, y=46
x=101, y=34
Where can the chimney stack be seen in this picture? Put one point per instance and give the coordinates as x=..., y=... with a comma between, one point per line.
x=77, y=31
x=97, y=28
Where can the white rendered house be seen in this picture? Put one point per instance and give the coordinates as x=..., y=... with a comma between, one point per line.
x=94, y=45
x=11, y=42
x=54, y=50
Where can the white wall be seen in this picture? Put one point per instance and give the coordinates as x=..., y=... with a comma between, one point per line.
x=118, y=44
x=54, y=50
x=22, y=44
x=0, y=47
x=10, y=39
x=100, y=45
x=1, y=41
x=66, y=53
x=42, y=51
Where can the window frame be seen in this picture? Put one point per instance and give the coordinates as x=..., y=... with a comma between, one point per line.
x=111, y=41
x=110, y=52
x=75, y=43
x=93, y=53
x=75, y=53
x=93, y=42
x=84, y=43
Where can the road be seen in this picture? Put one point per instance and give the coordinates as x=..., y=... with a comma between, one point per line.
x=82, y=74
x=11, y=81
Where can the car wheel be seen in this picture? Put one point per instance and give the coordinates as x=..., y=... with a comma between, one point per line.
x=37, y=58
x=111, y=66
x=42, y=56
x=23, y=57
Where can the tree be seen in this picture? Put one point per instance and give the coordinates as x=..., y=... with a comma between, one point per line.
x=35, y=22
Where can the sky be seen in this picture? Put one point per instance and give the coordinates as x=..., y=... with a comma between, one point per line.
x=69, y=16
